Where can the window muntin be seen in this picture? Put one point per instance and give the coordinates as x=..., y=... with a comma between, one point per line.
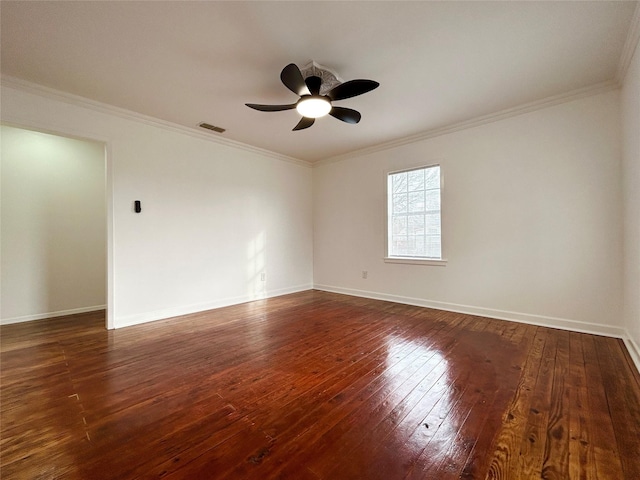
x=413, y=214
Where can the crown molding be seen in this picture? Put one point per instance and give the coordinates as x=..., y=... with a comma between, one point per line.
x=478, y=121
x=47, y=92
x=51, y=93
x=630, y=45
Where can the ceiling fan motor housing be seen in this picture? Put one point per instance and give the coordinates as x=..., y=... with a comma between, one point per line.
x=329, y=78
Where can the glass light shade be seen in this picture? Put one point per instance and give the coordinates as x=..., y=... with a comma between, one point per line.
x=313, y=107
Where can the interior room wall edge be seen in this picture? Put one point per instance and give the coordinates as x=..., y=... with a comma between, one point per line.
x=168, y=313
x=632, y=348
x=46, y=315
x=630, y=104
x=531, y=319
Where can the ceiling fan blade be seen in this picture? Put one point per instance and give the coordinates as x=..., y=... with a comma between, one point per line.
x=306, y=122
x=352, y=88
x=314, y=84
x=292, y=79
x=345, y=114
x=270, y=108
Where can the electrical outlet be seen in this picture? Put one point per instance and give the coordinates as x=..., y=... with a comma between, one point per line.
x=365, y=274
x=263, y=276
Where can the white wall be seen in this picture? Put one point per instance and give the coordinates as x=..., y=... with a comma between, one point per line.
x=532, y=216
x=630, y=100
x=532, y=219
x=53, y=246
x=214, y=216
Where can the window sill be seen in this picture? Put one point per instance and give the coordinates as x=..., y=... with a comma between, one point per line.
x=417, y=261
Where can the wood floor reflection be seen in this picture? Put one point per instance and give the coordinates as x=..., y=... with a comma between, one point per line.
x=315, y=385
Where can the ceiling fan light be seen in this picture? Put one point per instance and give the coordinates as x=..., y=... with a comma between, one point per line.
x=313, y=107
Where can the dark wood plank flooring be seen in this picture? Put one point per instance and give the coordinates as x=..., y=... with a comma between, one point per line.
x=316, y=386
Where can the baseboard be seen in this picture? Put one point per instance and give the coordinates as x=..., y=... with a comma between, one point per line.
x=543, y=321
x=60, y=313
x=165, y=313
x=633, y=349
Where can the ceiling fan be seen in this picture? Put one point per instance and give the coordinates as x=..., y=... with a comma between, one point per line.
x=312, y=104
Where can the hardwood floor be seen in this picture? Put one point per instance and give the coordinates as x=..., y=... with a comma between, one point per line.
x=316, y=386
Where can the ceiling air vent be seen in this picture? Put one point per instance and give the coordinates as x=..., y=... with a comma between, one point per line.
x=211, y=127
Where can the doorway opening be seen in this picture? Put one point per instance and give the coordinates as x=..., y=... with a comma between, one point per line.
x=55, y=229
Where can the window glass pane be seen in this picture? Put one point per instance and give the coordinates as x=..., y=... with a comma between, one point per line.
x=415, y=202
x=400, y=245
x=399, y=226
x=400, y=203
x=432, y=200
x=433, y=246
x=415, y=224
x=432, y=223
x=418, y=242
x=399, y=182
x=432, y=177
x=415, y=180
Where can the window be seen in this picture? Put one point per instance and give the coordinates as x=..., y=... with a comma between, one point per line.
x=413, y=216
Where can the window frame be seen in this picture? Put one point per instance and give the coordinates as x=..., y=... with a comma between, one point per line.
x=442, y=261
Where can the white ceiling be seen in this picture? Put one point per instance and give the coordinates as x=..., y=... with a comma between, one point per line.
x=438, y=63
